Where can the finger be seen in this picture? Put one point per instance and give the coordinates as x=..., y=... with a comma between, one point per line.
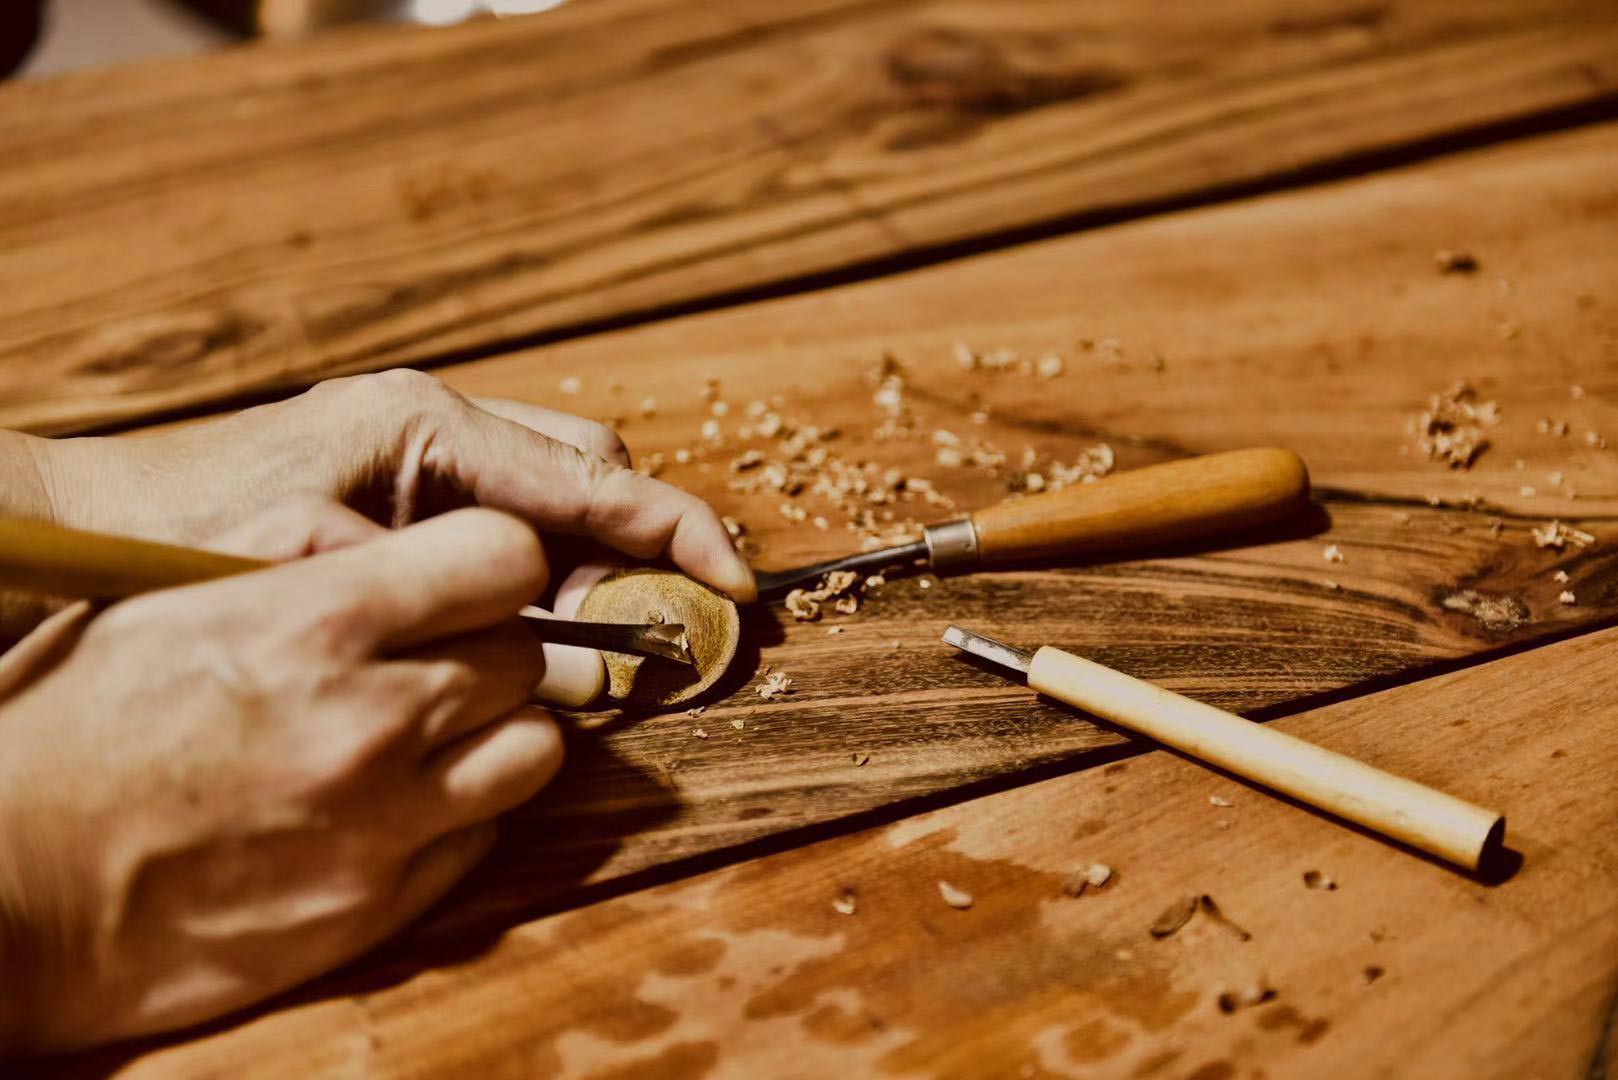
x=433, y=871
x=589, y=436
x=557, y=486
x=495, y=769
x=461, y=571
x=573, y=676
x=461, y=684
x=577, y=585
x=298, y=526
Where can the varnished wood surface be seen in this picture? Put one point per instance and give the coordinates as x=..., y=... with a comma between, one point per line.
x=1405, y=968
x=1314, y=320
x=179, y=233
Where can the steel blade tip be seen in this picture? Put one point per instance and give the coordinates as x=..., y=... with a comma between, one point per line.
x=988, y=648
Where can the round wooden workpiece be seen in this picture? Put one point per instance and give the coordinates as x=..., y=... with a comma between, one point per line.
x=713, y=627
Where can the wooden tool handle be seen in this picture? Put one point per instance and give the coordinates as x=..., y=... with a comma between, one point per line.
x=1403, y=809
x=36, y=556
x=1160, y=504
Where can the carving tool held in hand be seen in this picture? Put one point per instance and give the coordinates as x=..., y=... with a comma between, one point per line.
x=39, y=557
x=1174, y=502
x=1416, y=815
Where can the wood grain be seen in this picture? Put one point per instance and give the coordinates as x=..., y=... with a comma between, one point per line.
x=1401, y=968
x=181, y=233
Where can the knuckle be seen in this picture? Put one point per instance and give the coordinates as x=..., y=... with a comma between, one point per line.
x=401, y=388
x=603, y=442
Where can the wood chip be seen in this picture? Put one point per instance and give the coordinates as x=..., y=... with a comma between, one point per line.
x=775, y=683
x=696, y=712
x=738, y=723
x=1332, y=553
x=699, y=733
x=859, y=758
x=1450, y=429
x=954, y=897
x=1215, y=800
x=1093, y=876
x=1255, y=992
x=845, y=902
x=1314, y=879
x=570, y=384
x=1174, y=916
x=1560, y=577
x=1373, y=972
x=1557, y=536
x=834, y=629
x=1567, y=597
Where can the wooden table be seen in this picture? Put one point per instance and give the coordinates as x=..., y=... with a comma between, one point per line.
x=1224, y=220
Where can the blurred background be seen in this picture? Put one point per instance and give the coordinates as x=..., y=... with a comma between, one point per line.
x=41, y=37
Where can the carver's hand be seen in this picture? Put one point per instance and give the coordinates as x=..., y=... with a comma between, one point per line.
x=213, y=793
x=397, y=446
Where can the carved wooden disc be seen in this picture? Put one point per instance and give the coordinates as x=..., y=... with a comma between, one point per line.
x=712, y=624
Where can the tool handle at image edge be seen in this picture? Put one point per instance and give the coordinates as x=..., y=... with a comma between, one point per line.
x=1160, y=504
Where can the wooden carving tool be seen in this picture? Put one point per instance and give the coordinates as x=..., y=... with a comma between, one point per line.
x=38, y=557
x=1416, y=815
x=1175, y=502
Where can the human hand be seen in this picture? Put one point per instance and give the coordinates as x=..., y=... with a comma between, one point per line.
x=212, y=793
x=397, y=446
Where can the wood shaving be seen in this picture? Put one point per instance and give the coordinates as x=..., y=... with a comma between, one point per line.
x=925, y=583
x=696, y=712
x=955, y=898
x=1494, y=612
x=720, y=408
x=1595, y=440
x=775, y=683
x=1332, y=553
x=859, y=758
x=1450, y=429
x=845, y=902
x=1560, y=577
x=874, y=581
x=1215, y=800
x=738, y=723
x=1557, y=535
x=834, y=629
x=1455, y=262
x=1091, y=877
x=1256, y=992
x=699, y=733
x=1330, y=584
x=1554, y=428
x=1567, y=598
x=1314, y=879
x=1174, y=916
x=648, y=407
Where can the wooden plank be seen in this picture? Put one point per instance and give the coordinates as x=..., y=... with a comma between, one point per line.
x=1315, y=320
x=1406, y=968
x=181, y=233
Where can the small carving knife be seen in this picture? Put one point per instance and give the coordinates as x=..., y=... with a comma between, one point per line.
x=1175, y=502
x=39, y=557
x=1409, y=812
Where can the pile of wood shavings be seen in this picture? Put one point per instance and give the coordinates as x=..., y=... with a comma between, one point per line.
x=1450, y=429
x=837, y=587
